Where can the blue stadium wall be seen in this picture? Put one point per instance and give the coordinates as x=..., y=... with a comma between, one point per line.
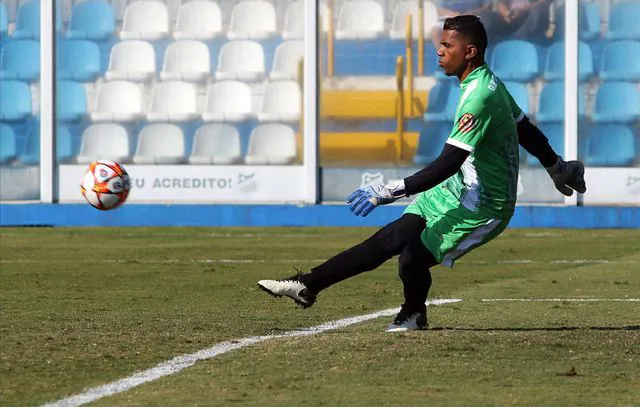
x=64, y=215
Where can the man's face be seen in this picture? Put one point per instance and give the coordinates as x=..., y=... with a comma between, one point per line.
x=453, y=53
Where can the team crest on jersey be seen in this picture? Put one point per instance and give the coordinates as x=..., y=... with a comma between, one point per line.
x=467, y=123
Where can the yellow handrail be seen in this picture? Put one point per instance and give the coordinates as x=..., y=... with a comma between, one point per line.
x=400, y=108
x=420, y=38
x=330, y=38
x=409, y=52
x=410, y=80
x=409, y=32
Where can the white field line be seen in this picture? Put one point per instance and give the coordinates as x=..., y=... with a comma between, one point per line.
x=182, y=362
x=560, y=300
x=284, y=261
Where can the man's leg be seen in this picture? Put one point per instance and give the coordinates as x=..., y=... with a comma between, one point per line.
x=366, y=256
x=413, y=268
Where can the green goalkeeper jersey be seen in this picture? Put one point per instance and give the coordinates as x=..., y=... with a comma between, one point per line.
x=485, y=125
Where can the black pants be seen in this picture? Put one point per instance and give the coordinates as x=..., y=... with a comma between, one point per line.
x=399, y=237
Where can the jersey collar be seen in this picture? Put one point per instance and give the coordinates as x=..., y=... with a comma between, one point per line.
x=474, y=75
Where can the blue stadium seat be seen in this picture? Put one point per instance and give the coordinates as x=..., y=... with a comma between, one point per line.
x=442, y=103
x=64, y=146
x=72, y=101
x=358, y=57
x=589, y=27
x=610, y=145
x=515, y=60
x=78, y=60
x=555, y=134
x=20, y=60
x=431, y=142
x=28, y=20
x=623, y=21
x=520, y=95
x=15, y=101
x=7, y=143
x=31, y=153
x=621, y=61
x=554, y=64
x=588, y=23
x=617, y=102
x=4, y=21
x=551, y=107
x=92, y=20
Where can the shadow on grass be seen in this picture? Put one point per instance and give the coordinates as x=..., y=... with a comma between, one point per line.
x=551, y=329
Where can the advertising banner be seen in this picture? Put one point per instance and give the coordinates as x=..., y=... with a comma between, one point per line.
x=201, y=184
x=612, y=186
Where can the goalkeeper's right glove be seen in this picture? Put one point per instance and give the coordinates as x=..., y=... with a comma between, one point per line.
x=568, y=176
x=367, y=198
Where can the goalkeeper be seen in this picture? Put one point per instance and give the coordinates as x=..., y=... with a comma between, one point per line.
x=464, y=198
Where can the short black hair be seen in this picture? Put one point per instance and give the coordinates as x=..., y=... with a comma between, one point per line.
x=470, y=26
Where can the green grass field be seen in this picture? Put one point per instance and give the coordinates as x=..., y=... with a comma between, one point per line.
x=85, y=307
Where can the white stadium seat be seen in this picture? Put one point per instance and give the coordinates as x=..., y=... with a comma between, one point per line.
x=104, y=141
x=133, y=61
x=286, y=59
x=198, y=20
x=118, y=101
x=252, y=19
x=217, y=143
x=160, y=143
x=173, y=101
x=186, y=60
x=272, y=143
x=360, y=20
x=145, y=20
x=228, y=101
x=172, y=7
x=242, y=60
x=294, y=20
x=398, y=29
x=281, y=102
x=120, y=6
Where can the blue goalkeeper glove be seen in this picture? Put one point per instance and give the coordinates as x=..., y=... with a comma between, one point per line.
x=365, y=199
x=568, y=176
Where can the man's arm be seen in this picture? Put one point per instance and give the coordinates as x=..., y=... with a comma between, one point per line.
x=470, y=128
x=535, y=142
x=566, y=175
x=444, y=166
x=366, y=199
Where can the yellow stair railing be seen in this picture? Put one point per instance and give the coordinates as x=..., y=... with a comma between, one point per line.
x=400, y=110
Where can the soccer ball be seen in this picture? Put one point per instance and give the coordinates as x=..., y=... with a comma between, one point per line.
x=105, y=185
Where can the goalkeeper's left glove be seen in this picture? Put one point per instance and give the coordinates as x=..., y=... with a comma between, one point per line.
x=568, y=176
x=365, y=199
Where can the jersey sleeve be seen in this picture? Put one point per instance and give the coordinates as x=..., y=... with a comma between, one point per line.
x=471, y=126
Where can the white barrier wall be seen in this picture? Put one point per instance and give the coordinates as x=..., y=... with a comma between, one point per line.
x=181, y=184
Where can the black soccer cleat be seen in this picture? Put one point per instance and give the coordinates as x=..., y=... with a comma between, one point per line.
x=409, y=320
